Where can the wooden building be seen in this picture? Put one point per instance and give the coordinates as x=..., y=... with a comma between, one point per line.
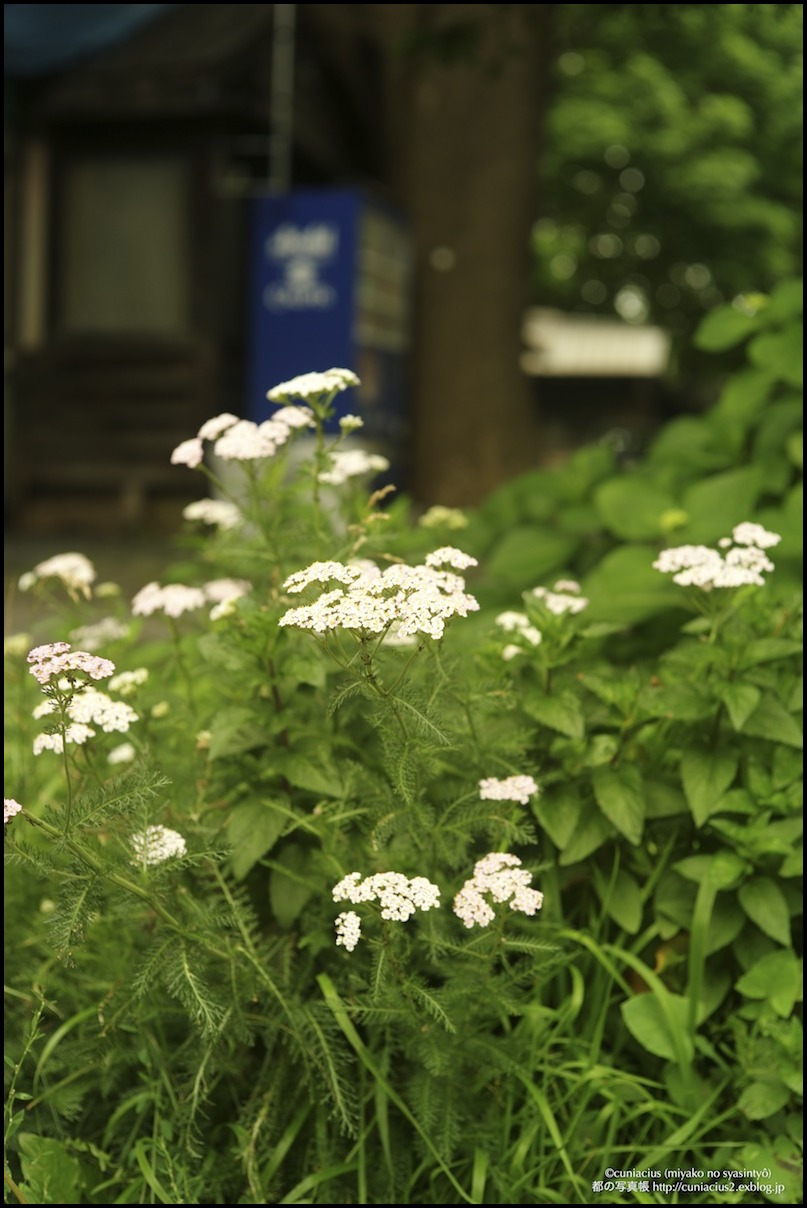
x=127, y=176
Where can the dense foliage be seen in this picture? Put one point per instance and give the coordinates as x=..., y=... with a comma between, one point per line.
x=600, y=781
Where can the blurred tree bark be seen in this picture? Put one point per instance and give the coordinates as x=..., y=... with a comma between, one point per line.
x=464, y=89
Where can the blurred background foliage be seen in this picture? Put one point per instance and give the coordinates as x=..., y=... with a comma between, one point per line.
x=671, y=175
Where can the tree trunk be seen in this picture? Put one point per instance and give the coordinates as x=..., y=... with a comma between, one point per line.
x=464, y=114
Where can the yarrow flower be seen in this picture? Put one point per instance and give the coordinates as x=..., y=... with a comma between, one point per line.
x=312, y=385
x=123, y=753
x=518, y=623
x=156, y=844
x=224, y=593
x=58, y=659
x=398, y=896
x=173, y=600
x=564, y=597
x=126, y=683
x=10, y=809
x=220, y=513
x=75, y=570
x=498, y=875
x=236, y=440
x=93, y=637
x=514, y=788
x=415, y=599
x=91, y=707
x=701, y=566
x=248, y=441
x=439, y=516
x=351, y=463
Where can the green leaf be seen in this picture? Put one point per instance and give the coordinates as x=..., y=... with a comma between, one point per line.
x=632, y=507
x=783, y=1159
x=744, y=397
x=288, y=888
x=591, y=832
x=658, y=1031
x=776, y=978
x=254, y=828
x=51, y=1174
x=763, y=1099
x=562, y=713
x=740, y=700
x=558, y=811
x=526, y=553
x=234, y=731
x=772, y=720
x=724, y=327
x=782, y=351
x=765, y=904
x=620, y=796
x=767, y=650
x=723, y=869
x=622, y=901
x=716, y=504
x=314, y=772
x=725, y=925
x=624, y=586
x=705, y=776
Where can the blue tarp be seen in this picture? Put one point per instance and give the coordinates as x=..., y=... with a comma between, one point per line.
x=41, y=38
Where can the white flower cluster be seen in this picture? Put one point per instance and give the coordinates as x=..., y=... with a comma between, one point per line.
x=126, y=683
x=241, y=439
x=514, y=788
x=743, y=562
x=415, y=599
x=313, y=385
x=76, y=572
x=175, y=598
x=398, y=896
x=351, y=463
x=156, y=844
x=10, y=808
x=564, y=597
x=439, y=516
x=517, y=623
x=86, y=708
x=123, y=753
x=499, y=875
x=58, y=659
x=93, y=637
x=220, y=513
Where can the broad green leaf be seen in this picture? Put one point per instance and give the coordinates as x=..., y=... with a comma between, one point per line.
x=772, y=720
x=632, y=507
x=767, y=650
x=51, y=1174
x=744, y=397
x=526, y=553
x=562, y=713
x=782, y=351
x=221, y=652
x=716, y=504
x=234, y=731
x=624, y=586
x=783, y=1158
x=723, y=328
x=254, y=828
x=620, y=796
x=764, y=903
x=762, y=1099
x=674, y=901
x=315, y=774
x=664, y=1034
x=740, y=700
x=289, y=888
x=591, y=832
x=776, y=978
x=723, y=869
x=705, y=776
x=622, y=901
x=725, y=925
x=663, y=800
x=793, y=864
x=558, y=811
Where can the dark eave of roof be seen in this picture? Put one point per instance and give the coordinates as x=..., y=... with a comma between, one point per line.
x=195, y=60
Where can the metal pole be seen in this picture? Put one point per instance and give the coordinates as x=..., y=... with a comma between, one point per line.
x=281, y=117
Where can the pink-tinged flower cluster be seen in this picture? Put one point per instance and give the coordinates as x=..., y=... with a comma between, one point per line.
x=156, y=844
x=58, y=660
x=412, y=599
x=744, y=561
x=237, y=439
x=398, y=896
x=313, y=385
x=75, y=571
x=10, y=809
x=513, y=788
x=499, y=876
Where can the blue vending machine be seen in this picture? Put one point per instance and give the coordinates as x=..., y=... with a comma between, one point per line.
x=331, y=273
